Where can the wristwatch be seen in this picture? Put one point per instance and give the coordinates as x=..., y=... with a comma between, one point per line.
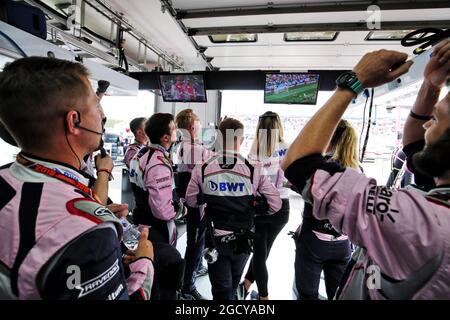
x=349, y=80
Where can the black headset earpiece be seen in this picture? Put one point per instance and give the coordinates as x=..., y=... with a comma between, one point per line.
x=77, y=124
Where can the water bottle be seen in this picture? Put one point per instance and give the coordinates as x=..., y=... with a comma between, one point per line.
x=130, y=234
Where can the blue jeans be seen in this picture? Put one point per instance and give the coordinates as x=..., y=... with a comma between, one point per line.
x=314, y=255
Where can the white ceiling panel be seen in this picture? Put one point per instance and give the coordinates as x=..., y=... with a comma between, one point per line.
x=285, y=63
x=297, y=51
x=332, y=58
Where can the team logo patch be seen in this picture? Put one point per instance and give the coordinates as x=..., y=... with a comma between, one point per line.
x=99, y=281
x=102, y=211
x=213, y=186
x=92, y=208
x=89, y=209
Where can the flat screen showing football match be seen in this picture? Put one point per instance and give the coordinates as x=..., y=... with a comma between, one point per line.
x=291, y=88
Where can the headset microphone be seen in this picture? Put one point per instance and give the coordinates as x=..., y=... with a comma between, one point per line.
x=89, y=130
x=77, y=125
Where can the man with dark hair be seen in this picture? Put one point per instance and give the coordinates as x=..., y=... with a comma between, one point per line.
x=57, y=238
x=140, y=139
x=155, y=205
x=228, y=185
x=403, y=234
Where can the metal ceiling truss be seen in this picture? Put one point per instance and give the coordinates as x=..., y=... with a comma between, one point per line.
x=56, y=27
x=337, y=6
x=116, y=17
x=317, y=27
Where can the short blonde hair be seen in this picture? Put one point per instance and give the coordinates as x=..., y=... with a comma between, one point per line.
x=185, y=118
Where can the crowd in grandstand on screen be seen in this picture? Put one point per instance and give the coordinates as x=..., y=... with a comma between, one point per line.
x=281, y=82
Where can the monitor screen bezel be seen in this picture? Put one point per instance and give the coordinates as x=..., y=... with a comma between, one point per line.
x=289, y=103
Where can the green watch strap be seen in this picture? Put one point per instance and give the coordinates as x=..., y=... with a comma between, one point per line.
x=357, y=87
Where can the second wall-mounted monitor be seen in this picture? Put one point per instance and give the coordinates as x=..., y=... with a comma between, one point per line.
x=182, y=87
x=291, y=88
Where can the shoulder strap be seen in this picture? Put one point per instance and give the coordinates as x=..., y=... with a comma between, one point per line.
x=438, y=200
x=150, y=155
x=142, y=151
x=28, y=211
x=251, y=168
x=181, y=150
x=7, y=192
x=247, y=163
x=207, y=162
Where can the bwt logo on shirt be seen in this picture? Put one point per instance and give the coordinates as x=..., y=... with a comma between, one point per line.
x=226, y=186
x=281, y=152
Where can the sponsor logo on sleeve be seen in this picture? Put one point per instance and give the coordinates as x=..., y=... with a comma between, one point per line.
x=164, y=179
x=379, y=204
x=99, y=281
x=102, y=211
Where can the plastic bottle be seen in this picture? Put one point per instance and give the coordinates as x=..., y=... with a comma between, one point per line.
x=130, y=234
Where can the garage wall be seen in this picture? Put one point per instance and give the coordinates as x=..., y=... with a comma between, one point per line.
x=208, y=112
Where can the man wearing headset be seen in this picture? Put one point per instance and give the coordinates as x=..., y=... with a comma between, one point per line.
x=58, y=240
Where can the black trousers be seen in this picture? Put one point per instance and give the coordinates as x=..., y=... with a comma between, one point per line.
x=226, y=272
x=169, y=269
x=314, y=255
x=195, y=230
x=158, y=232
x=267, y=229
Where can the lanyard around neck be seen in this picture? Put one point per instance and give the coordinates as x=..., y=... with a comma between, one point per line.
x=39, y=168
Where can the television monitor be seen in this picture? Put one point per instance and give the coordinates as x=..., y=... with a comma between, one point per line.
x=182, y=87
x=291, y=88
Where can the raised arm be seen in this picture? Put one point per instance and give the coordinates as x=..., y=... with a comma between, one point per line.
x=436, y=72
x=373, y=70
